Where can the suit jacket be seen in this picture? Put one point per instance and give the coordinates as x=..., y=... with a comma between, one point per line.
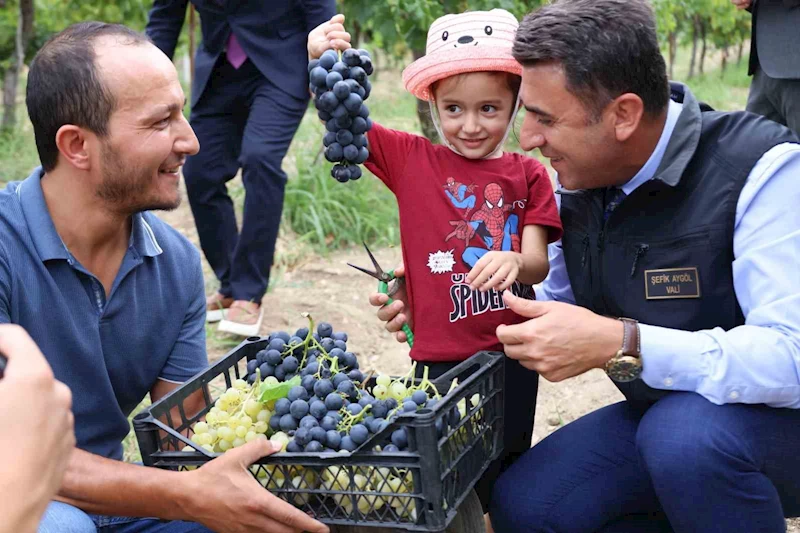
x=775, y=40
x=273, y=34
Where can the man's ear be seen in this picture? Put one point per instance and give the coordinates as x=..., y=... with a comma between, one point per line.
x=72, y=142
x=627, y=110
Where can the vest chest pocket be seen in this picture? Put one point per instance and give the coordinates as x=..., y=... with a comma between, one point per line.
x=678, y=282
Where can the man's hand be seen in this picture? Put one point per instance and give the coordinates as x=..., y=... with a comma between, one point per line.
x=37, y=436
x=328, y=35
x=741, y=4
x=561, y=340
x=396, y=314
x=229, y=499
x=495, y=270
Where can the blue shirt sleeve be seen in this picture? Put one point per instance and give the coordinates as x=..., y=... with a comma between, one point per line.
x=188, y=356
x=758, y=362
x=556, y=286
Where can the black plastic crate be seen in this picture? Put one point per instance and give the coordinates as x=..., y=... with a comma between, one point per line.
x=437, y=471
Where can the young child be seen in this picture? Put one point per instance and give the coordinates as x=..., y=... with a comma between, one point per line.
x=474, y=220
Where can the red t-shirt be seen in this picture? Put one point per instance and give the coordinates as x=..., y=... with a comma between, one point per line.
x=452, y=211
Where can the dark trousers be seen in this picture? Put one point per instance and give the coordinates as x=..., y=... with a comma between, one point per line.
x=686, y=465
x=521, y=388
x=242, y=121
x=778, y=100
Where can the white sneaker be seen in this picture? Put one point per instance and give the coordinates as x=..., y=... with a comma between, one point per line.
x=243, y=318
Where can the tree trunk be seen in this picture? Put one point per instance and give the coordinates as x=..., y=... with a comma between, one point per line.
x=356, y=34
x=673, y=37
x=740, y=52
x=724, y=61
x=695, y=31
x=11, y=78
x=703, y=46
x=424, y=112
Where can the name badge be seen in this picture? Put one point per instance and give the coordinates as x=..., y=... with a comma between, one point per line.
x=670, y=283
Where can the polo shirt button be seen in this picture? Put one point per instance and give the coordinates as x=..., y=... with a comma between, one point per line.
x=668, y=382
x=733, y=395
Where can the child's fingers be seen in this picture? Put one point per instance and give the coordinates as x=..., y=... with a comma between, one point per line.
x=338, y=36
x=484, y=275
x=338, y=33
x=340, y=44
x=337, y=19
x=510, y=278
x=497, y=278
x=333, y=27
x=478, y=268
x=504, y=277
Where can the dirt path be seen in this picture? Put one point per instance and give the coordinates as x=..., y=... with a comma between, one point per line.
x=335, y=293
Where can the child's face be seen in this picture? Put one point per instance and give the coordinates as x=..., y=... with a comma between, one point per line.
x=475, y=110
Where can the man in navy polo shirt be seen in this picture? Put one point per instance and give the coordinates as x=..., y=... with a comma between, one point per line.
x=113, y=296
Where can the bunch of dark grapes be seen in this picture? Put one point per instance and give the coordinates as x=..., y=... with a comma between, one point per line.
x=340, y=86
x=330, y=409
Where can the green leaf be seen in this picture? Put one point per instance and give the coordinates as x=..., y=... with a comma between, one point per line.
x=280, y=390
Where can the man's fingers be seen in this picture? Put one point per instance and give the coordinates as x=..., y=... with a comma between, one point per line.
x=63, y=395
x=287, y=514
x=523, y=307
x=22, y=352
x=509, y=335
x=400, y=336
x=400, y=271
x=252, y=451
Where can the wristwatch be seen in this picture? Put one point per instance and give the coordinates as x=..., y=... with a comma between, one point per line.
x=626, y=365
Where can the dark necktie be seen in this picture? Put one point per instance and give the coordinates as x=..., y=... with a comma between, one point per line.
x=613, y=196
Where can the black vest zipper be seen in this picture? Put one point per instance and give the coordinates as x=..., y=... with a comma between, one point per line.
x=641, y=249
x=585, y=250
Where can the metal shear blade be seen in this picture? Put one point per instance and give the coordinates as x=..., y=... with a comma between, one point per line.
x=378, y=274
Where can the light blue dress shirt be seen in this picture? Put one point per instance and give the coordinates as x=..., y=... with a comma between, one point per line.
x=759, y=361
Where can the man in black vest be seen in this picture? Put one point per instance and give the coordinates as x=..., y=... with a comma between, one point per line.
x=775, y=60
x=676, y=274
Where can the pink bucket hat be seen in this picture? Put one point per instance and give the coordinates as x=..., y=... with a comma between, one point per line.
x=474, y=41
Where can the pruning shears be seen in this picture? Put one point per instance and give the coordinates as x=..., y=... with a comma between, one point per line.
x=383, y=287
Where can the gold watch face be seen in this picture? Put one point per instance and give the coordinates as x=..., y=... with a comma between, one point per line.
x=624, y=368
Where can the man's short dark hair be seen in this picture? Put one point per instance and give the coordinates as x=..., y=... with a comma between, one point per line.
x=606, y=48
x=64, y=86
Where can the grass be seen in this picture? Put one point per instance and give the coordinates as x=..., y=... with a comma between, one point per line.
x=18, y=154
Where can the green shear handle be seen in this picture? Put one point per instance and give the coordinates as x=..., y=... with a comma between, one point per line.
x=383, y=287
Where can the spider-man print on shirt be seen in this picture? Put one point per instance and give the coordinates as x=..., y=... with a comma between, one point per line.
x=491, y=224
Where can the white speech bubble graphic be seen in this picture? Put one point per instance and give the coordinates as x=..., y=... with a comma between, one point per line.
x=441, y=262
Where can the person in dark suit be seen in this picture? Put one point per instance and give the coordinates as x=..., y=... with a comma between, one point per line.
x=775, y=60
x=249, y=93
